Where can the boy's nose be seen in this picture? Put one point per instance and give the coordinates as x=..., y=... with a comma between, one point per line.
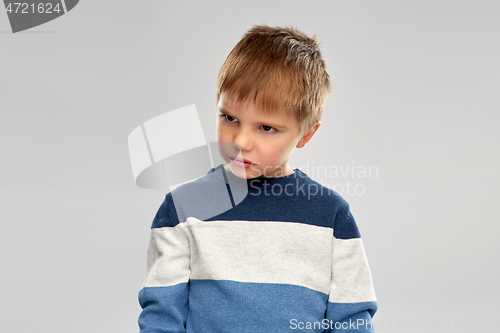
x=243, y=140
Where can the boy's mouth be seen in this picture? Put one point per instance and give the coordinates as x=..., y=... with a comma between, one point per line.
x=241, y=161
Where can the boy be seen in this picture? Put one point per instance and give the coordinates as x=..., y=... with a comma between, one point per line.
x=286, y=256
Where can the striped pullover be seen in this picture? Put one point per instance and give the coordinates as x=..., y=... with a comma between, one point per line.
x=228, y=254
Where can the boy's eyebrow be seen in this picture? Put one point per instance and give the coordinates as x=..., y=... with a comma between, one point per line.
x=224, y=110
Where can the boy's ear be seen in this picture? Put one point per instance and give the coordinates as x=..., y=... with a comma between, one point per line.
x=308, y=135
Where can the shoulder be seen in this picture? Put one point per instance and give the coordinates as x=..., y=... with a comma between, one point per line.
x=320, y=194
x=166, y=216
x=198, y=198
x=333, y=206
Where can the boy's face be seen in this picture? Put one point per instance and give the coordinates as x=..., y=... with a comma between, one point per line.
x=264, y=141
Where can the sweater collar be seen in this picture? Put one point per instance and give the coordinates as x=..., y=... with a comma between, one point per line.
x=231, y=178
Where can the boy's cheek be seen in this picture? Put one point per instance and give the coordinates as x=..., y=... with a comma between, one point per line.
x=227, y=149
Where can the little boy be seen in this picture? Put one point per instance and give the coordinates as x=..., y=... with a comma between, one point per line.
x=287, y=255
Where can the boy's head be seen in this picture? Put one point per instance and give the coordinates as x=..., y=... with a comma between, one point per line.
x=281, y=69
x=273, y=76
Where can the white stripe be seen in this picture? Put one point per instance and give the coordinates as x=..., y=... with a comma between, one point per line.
x=244, y=251
x=261, y=252
x=351, y=277
x=167, y=258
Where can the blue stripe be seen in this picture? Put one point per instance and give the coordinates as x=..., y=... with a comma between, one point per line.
x=351, y=317
x=166, y=216
x=310, y=203
x=165, y=309
x=228, y=306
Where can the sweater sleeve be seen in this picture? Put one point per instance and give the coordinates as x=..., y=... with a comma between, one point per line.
x=164, y=294
x=351, y=302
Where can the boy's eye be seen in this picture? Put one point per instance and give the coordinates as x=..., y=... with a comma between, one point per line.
x=229, y=118
x=268, y=129
x=265, y=128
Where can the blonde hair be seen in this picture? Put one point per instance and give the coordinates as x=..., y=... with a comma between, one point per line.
x=282, y=66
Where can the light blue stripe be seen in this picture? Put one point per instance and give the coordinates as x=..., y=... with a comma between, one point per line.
x=228, y=306
x=218, y=306
x=351, y=317
x=165, y=309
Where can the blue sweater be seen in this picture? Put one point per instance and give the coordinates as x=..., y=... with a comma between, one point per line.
x=229, y=254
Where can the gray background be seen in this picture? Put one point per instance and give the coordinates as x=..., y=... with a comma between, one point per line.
x=415, y=93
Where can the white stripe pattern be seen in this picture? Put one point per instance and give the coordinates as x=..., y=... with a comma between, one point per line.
x=351, y=277
x=167, y=258
x=260, y=252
